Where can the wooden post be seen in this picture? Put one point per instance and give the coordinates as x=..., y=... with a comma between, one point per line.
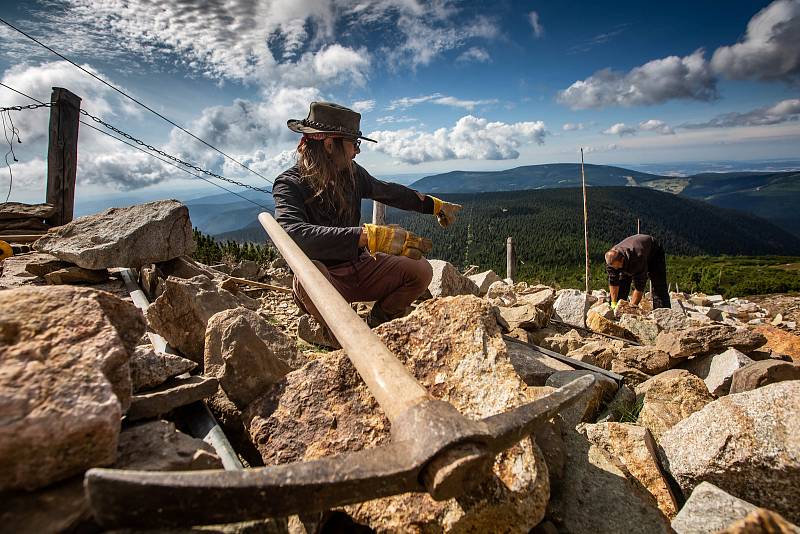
x=378, y=213
x=511, y=260
x=585, y=225
x=62, y=155
x=638, y=230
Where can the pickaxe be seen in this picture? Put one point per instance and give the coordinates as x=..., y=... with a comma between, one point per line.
x=433, y=448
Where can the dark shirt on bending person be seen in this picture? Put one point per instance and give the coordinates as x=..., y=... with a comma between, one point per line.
x=636, y=251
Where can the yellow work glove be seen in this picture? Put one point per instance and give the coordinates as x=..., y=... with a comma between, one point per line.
x=396, y=241
x=445, y=211
x=613, y=304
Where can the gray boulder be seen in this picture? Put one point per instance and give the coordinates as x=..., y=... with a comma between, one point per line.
x=447, y=281
x=571, y=306
x=748, y=444
x=759, y=374
x=705, y=339
x=174, y=394
x=645, y=330
x=670, y=398
x=531, y=365
x=717, y=370
x=123, y=237
x=484, y=280
x=670, y=319
x=590, y=403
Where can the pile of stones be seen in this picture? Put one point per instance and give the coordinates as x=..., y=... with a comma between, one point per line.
x=691, y=424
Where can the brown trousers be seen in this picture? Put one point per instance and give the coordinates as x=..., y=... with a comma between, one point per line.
x=393, y=281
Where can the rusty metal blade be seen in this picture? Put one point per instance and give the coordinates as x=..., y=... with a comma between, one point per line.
x=510, y=427
x=148, y=499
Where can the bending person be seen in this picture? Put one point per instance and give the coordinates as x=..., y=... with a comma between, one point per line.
x=633, y=260
x=318, y=203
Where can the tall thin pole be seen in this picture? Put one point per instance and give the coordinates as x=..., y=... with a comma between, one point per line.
x=638, y=229
x=585, y=224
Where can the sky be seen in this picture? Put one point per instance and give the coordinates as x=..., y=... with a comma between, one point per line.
x=441, y=85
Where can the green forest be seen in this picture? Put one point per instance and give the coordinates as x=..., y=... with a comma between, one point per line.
x=210, y=251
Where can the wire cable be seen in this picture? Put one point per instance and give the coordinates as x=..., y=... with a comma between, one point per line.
x=145, y=106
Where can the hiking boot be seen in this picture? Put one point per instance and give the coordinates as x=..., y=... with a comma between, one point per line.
x=310, y=331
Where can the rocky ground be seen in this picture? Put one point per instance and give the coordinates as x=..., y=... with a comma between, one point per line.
x=690, y=426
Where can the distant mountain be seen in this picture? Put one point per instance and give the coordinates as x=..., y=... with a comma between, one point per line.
x=530, y=177
x=771, y=195
x=227, y=212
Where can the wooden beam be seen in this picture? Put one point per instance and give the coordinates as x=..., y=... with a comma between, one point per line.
x=511, y=260
x=62, y=155
x=378, y=213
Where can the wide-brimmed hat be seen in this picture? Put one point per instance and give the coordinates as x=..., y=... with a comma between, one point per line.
x=329, y=118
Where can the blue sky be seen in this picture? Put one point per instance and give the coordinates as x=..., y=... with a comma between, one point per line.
x=442, y=85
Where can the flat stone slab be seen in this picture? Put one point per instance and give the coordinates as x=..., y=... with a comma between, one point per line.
x=76, y=275
x=532, y=366
x=123, y=237
x=709, y=509
x=150, y=369
x=173, y=395
x=17, y=210
x=14, y=272
x=33, y=225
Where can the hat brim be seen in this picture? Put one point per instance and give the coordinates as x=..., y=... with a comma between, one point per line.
x=296, y=125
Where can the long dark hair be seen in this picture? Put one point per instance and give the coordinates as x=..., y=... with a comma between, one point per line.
x=324, y=173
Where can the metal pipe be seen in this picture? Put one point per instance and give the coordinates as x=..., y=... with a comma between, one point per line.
x=393, y=386
x=511, y=260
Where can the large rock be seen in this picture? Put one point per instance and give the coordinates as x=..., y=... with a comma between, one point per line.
x=644, y=330
x=635, y=450
x=171, y=395
x=76, y=275
x=765, y=372
x=40, y=264
x=598, y=352
x=717, y=370
x=182, y=312
x=670, y=319
x=14, y=270
x=600, y=324
x=484, y=280
x=65, y=381
x=150, y=368
x=501, y=294
x=709, y=510
x=15, y=210
x=705, y=339
x=748, y=444
x=123, y=237
x=564, y=343
x=781, y=341
x=247, y=354
x=311, y=331
x=596, y=494
x=761, y=521
x=448, y=282
x=571, y=306
x=669, y=399
x=454, y=348
x=649, y=360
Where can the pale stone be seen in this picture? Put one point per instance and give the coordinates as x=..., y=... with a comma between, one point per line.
x=65, y=381
x=645, y=331
x=448, y=282
x=705, y=339
x=523, y=316
x=541, y=299
x=748, y=444
x=484, y=280
x=173, y=394
x=531, y=365
x=709, y=510
x=671, y=399
x=40, y=264
x=310, y=331
x=626, y=308
x=181, y=313
x=150, y=369
x=759, y=374
x=123, y=237
x=602, y=325
x=14, y=273
x=76, y=275
x=571, y=306
x=591, y=401
x=247, y=354
x=761, y=521
x=158, y=446
x=603, y=309
x=670, y=319
x=599, y=353
x=597, y=495
x=633, y=376
x=17, y=210
x=778, y=341
x=634, y=448
x=454, y=347
x=717, y=370
x=564, y=343
x=246, y=269
x=649, y=360
x=501, y=294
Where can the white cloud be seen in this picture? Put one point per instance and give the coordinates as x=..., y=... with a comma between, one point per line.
x=572, y=126
x=437, y=98
x=770, y=48
x=476, y=54
x=783, y=111
x=392, y=119
x=363, y=106
x=600, y=148
x=538, y=29
x=620, y=129
x=470, y=138
x=658, y=126
x=337, y=62
x=657, y=81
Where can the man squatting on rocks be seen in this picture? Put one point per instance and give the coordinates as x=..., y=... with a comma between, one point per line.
x=318, y=203
x=634, y=259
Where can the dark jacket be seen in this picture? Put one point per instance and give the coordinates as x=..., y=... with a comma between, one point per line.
x=316, y=226
x=637, y=251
